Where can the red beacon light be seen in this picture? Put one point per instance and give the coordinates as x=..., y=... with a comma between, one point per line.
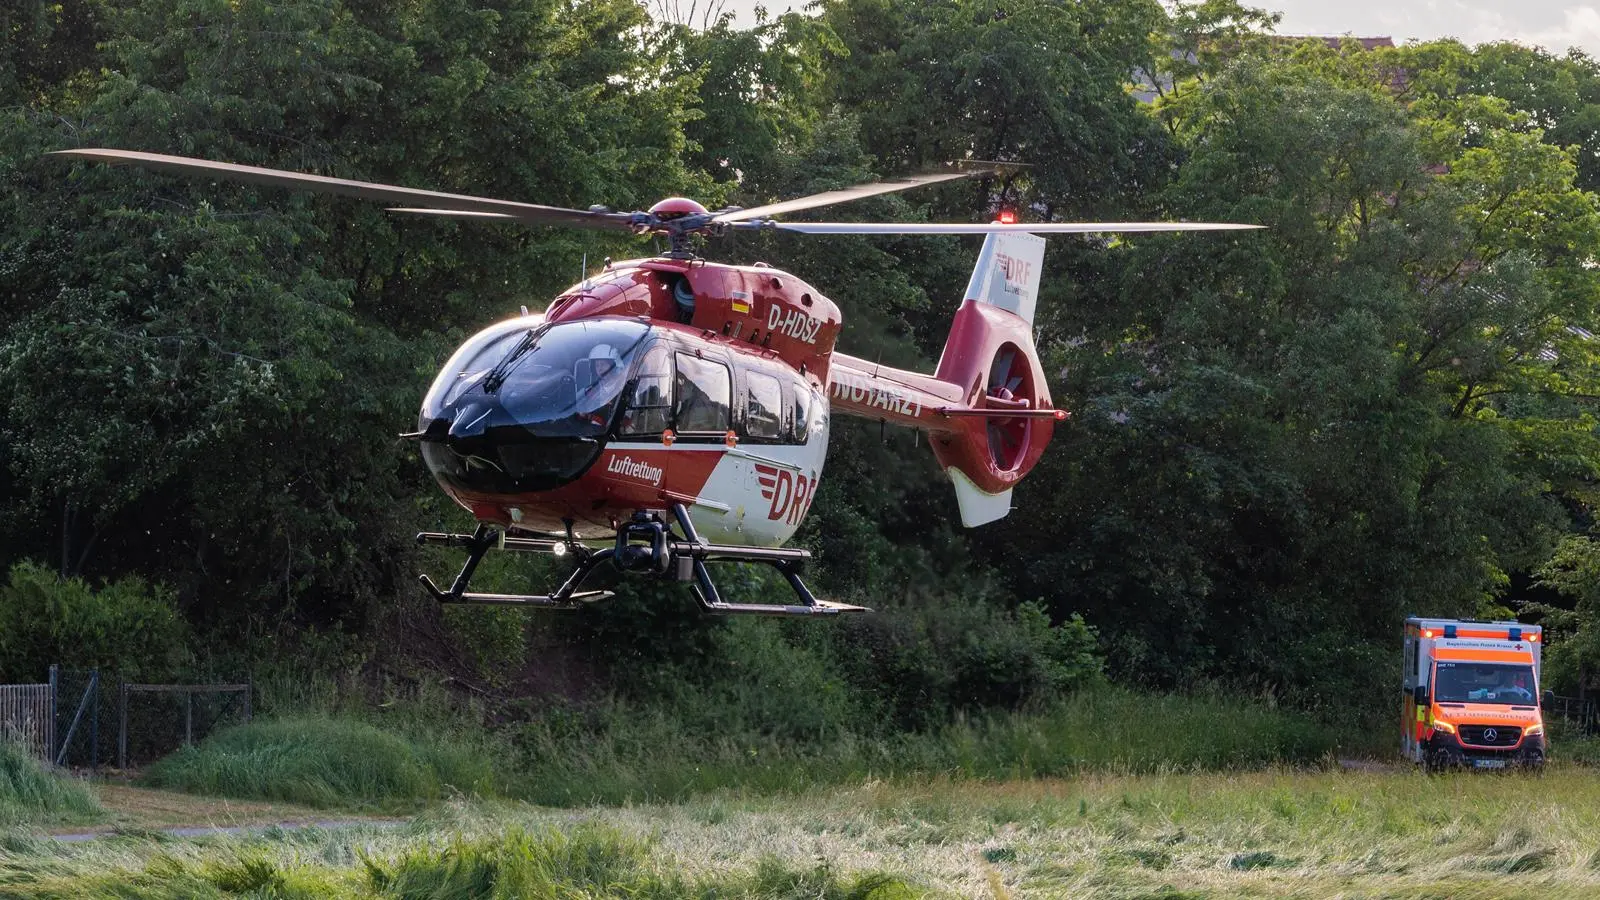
x=1007, y=217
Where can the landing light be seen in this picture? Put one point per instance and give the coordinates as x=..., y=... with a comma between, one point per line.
x=559, y=550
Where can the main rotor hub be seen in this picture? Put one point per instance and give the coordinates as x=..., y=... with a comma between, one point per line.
x=676, y=208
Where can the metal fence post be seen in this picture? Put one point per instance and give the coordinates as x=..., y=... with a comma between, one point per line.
x=94, y=722
x=188, y=718
x=50, y=729
x=249, y=689
x=122, y=728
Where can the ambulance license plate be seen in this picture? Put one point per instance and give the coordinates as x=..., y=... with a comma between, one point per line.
x=1489, y=763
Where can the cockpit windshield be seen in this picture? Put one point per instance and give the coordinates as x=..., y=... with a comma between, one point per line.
x=555, y=380
x=1469, y=682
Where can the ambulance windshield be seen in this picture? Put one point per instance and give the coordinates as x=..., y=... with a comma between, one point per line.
x=1470, y=682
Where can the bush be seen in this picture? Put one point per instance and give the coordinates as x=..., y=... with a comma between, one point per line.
x=127, y=625
x=757, y=681
x=326, y=762
x=918, y=665
x=902, y=668
x=30, y=795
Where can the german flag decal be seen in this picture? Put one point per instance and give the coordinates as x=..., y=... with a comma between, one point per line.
x=741, y=302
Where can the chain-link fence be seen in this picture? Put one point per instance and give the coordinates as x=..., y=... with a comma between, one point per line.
x=1582, y=714
x=101, y=720
x=156, y=719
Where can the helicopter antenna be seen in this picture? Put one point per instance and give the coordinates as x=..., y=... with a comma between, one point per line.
x=583, y=272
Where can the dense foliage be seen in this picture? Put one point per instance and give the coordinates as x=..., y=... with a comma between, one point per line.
x=1282, y=442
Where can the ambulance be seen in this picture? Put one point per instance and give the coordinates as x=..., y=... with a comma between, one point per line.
x=1472, y=695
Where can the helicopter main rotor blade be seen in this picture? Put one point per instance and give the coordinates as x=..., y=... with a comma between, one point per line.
x=366, y=190
x=856, y=192
x=452, y=213
x=996, y=227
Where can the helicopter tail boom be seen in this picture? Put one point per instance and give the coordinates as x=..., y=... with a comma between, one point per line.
x=987, y=408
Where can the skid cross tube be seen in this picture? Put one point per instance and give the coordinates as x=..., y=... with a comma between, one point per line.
x=479, y=542
x=786, y=560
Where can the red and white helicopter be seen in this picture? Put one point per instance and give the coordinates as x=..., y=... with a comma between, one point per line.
x=670, y=412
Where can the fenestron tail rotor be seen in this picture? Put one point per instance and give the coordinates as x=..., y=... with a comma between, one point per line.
x=677, y=218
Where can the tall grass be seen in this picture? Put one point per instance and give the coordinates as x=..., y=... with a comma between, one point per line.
x=30, y=795
x=324, y=762
x=586, y=861
x=636, y=755
x=625, y=753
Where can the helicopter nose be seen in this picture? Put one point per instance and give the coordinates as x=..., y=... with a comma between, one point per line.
x=470, y=420
x=479, y=444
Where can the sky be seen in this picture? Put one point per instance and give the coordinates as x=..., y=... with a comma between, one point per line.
x=1552, y=24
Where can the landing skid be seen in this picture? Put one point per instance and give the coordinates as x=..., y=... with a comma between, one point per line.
x=645, y=545
x=485, y=538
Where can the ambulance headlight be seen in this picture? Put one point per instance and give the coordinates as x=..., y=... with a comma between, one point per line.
x=1446, y=727
x=1535, y=729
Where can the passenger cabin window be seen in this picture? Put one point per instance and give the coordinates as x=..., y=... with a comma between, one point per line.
x=763, y=406
x=703, y=392
x=649, y=407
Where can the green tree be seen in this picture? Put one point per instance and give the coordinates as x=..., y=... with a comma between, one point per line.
x=1287, y=440
x=1572, y=641
x=225, y=367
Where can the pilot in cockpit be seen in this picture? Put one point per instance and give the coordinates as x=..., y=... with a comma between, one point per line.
x=595, y=378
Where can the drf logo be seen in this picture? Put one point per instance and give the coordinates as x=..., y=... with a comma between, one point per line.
x=1015, y=271
x=790, y=492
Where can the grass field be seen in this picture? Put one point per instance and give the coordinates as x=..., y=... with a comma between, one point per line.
x=625, y=755
x=1263, y=834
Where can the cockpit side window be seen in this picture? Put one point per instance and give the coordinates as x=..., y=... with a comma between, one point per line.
x=763, y=406
x=649, y=408
x=800, y=414
x=704, y=389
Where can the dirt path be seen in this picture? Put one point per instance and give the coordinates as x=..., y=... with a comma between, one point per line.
x=185, y=815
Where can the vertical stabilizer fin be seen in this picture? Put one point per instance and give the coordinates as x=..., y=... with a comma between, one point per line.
x=977, y=506
x=1007, y=274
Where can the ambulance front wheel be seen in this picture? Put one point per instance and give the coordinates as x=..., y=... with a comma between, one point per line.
x=1439, y=760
